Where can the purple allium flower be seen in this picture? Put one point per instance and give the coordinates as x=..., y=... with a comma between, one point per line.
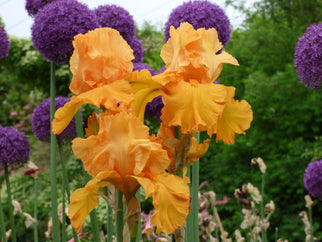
x=40, y=121
x=200, y=14
x=14, y=147
x=140, y=66
x=55, y=26
x=4, y=43
x=137, y=48
x=33, y=6
x=308, y=57
x=118, y=18
x=313, y=179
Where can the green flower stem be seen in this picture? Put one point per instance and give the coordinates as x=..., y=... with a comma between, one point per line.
x=194, y=201
x=36, y=210
x=86, y=178
x=139, y=233
x=109, y=224
x=119, y=216
x=53, y=182
x=311, y=223
x=2, y=225
x=65, y=188
x=10, y=207
x=63, y=225
x=189, y=223
x=264, y=236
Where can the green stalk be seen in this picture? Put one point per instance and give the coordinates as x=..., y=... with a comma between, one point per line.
x=311, y=223
x=36, y=210
x=10, y=207
x=264, y=236
x=190, y=215
x=63, y=225
x=65, y=188
x=119, y=216
x=109, y=224
x=139, y=233
x=194, y=201
x=2, y=225
x=53, y=182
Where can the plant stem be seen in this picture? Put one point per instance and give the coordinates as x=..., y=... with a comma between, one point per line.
x=109, y=224
x=36, y=210
x=119, y=216
x=194, y=200
x=139, y=233
x=2, y=225
x=12, y=222
x=65, y=186
x=311, y=223
x=53, y=182
x=264, y=236
x=189, y=223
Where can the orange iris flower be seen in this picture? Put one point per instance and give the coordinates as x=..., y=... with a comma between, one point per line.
x=121, y=153
x=194, y=59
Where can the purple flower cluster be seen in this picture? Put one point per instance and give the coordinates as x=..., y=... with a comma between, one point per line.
x=200, y=14
x=55, y=26
x=308, y=57
x=33, y=6
x=40, y=121
x=313, y=179
x=118, y=18
x=14, y=147
x=4, y=43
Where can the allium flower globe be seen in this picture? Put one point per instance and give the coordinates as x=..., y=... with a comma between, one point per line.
x=40, y=121
x=308, y=57
x=55, y=26
x=200, y=14
x=313, y=179
x=118, y=18
x=33, y=6
x=4, y=43
x=14, y=148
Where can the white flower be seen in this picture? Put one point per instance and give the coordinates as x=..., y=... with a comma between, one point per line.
x=17, y=207
x=29, y=220
x=254, y=192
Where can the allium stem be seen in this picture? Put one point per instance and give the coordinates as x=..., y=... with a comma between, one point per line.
x=36, y=210
x=12, y=222
x=264, y=236
x=65, y=187
x=53, y=182
x=139, y=234
x=194, y=200
x=2, y=225
x=119, y=220
x=311, y=223
x=109, y=224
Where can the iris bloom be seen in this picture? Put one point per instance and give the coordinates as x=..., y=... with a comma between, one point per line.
x=121, y=153
x=194, y=59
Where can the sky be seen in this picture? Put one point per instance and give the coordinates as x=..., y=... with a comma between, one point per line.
x=156, y=12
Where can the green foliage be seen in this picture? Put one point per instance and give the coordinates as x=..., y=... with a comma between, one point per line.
x=152, y=41
x=287, y=119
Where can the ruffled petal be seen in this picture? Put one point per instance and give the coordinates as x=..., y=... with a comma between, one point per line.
x=84, y=200
x=236, y=118
x=110, y=96
x=171, y=200
x=100, y=57
x=192, y=106
x=145, y=89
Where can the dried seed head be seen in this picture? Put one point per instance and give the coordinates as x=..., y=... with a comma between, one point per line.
x=258, y=162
